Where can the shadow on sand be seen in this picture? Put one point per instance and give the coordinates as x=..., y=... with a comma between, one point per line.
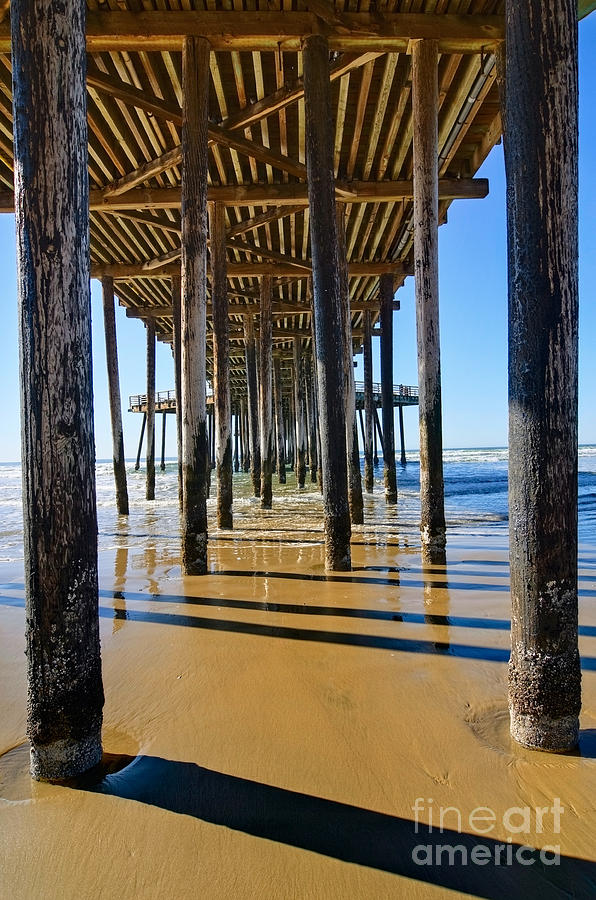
x=350, y=833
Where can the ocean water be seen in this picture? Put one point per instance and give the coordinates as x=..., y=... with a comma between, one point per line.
x=475, y=500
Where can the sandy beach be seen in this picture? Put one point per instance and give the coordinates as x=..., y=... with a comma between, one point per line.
x=270, y=727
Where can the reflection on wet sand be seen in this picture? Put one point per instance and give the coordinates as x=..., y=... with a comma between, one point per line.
x=270, y=726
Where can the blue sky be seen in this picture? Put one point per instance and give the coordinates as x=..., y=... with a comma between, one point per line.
x=473, y=316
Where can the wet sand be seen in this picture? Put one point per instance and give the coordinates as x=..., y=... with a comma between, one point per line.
x=274, y=727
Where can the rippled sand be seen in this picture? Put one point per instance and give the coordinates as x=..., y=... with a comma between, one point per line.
x=269, y=729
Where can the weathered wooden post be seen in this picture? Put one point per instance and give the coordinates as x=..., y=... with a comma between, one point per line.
x=221, y=366
x=426, y=264
x=402, y=442
x=162, y=463
x=316, y=397
x=376, y=433
x=354, y=476
x=65, y=694
x=150, y=424
x=291, y=432
x=300, y=430
x=109, y=321
x=369, y=405
x=244, y=454
x=311, y=415
x=236, y=443
x=327, y=299
x=279, y=420
x=386, y=317
x=140, y=447
x=246, y=439
x=195, y=105
x=265, y=404
x=253, y=404
x=541, y=156
x=177, y=347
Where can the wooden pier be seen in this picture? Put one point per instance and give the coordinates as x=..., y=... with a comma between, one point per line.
x=255, y=186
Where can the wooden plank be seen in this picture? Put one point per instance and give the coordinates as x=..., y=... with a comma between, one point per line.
x=172, y=158
x=114, y=87
x=263, y=219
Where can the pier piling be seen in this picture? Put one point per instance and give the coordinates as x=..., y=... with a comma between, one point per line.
x=221, y=366
x=177, y=347
x=195, y=84
x=162, y=463
x=541, y=156
x=369, y=476
x=426, y=270
x=64, y=683
x=279, y=420
x=109, y=321
x=253, y=404
x=355, y=501
x=140, y=446
x=386, y=298
x=150, y=424
x=300, y=429
x=265, y=404
x=326, y=300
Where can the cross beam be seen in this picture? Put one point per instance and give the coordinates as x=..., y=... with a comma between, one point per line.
x=239, y=30
x=240, y=270
x=276, y=194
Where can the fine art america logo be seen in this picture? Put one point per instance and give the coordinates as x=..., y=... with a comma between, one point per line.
x=516, y=821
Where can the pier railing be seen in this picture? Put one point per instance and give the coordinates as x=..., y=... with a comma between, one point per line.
x=403, y=394
x=165, y=401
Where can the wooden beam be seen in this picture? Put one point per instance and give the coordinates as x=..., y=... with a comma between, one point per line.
x=264, y=219
x=145, y=219
x=275, y=194
x=279, y=309
x=291, y=93
x=272, y=31
x=106, y=84
x=172, y=158
x=239, y=270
